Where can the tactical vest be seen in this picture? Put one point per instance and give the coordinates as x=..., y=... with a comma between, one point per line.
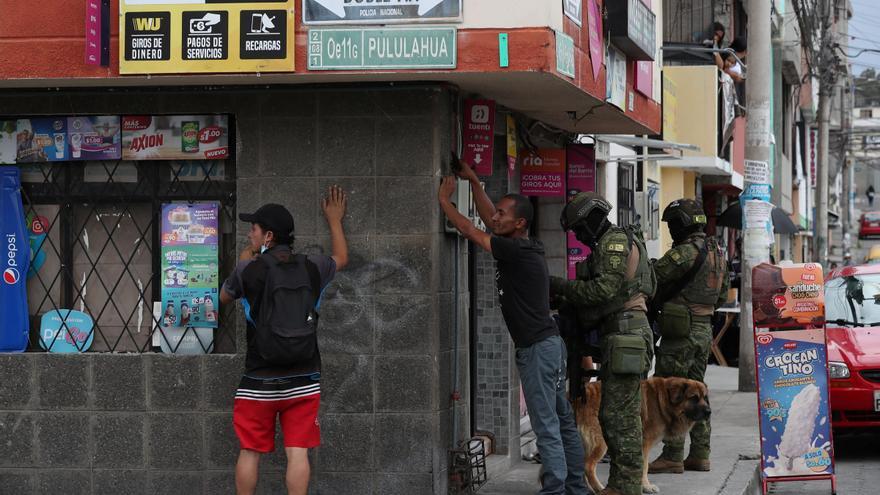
x=705, y=288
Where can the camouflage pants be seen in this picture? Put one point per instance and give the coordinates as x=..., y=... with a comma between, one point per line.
x=620, y=410
x=687, y=358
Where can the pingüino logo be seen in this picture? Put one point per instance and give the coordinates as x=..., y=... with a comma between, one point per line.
x=11, y=274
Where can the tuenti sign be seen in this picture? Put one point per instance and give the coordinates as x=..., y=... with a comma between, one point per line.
x=380, y=11
x=354, y=49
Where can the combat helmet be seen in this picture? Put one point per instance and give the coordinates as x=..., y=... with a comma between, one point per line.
x=684, y=217
x=587, y=216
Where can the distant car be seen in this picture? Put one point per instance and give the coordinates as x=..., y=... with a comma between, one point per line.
x=852, y=298
x=869, y=224
x=873, y=255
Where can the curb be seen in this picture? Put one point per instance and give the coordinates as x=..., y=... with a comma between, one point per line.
x=744, y=478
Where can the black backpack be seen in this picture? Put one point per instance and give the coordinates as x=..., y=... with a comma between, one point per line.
x=286, y=329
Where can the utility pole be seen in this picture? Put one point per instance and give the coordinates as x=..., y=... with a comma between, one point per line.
x=756, y=243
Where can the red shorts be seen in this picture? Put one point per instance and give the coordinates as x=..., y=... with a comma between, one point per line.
x=257, y=406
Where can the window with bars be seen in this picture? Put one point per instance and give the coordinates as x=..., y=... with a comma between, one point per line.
x=626, y=198
x=95, y=230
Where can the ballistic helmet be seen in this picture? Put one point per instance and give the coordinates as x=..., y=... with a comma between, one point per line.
x=587, y=216
x=684, y=217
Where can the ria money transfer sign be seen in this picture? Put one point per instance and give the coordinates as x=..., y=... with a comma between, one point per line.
x=793, y=403
x=186, y=36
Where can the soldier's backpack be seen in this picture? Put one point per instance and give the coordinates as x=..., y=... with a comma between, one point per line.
x=286, y=328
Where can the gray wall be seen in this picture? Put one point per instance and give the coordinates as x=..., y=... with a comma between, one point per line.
x=104, y=423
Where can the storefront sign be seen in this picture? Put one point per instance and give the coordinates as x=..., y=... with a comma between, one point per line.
x=176, y=137
x=788, y=296
x=580, y=177
x=380, y=11
x=632, y=28
x=478, y=138
x=543, y=174
x=644, y=76
x=572, y=9
x=66, y=331
x=615, y=78
x=511, y=145
x=190, y=273
x=564, y=54
x=14, y=264
x=94, y=138
x=596, y=36
x=191, y=36
x=98, y=32
x=354, y=49
x=793, y=403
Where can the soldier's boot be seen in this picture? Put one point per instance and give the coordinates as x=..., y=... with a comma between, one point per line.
x=694, y=464
x=661, y=465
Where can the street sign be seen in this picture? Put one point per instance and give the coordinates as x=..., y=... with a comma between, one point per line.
x=382, y=48
x=380, y=11
x=564, y=54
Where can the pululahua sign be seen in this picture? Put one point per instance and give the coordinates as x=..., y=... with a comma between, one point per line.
x=380, y=11
x=382, y=48
x=198, y=36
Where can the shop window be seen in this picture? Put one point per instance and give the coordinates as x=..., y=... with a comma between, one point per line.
x=865, y=113
x=626, y=200
x=95, y=229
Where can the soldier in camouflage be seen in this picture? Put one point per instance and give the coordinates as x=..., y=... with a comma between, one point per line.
x=692, y=276
x=611, y=292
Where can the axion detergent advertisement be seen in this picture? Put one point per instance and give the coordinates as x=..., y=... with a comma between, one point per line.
x=14, y=264
x=788, y=296
x=793, y=403
x=175, y=137
x=190, y=267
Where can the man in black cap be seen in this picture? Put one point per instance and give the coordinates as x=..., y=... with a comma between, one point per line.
x=290, y=392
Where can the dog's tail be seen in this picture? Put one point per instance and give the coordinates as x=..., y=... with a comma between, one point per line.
x=587, y=417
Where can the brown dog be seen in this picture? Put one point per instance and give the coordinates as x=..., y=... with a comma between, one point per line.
x=670, y=406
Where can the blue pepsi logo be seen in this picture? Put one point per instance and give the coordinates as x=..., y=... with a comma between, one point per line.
x=11, y=276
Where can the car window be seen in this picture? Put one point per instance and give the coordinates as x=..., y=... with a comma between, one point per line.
x=853, y=298
x=872, y=217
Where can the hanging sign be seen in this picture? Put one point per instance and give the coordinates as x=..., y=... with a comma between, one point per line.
x=543, y=174
x=478, y=138
x=511, y=145
x=14, y=264
x=580, y=177
x=175, y=137
x=596, y=43
x=565, y=54
x=190, y=265
x=380, y=11
x=98, y=32
x=66, y=331
x=572, y=10
x=198, y=36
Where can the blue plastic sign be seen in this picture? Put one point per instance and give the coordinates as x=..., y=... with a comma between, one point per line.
x=14, y=264
x=793, y=403
x=66, y=331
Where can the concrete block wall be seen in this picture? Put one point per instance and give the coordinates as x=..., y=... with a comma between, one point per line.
x=102, y=423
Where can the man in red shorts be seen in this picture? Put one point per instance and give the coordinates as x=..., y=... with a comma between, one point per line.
x=290, y=393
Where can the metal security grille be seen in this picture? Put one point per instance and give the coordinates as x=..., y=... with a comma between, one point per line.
x=95, y=233
x=688, y=21
x=626, y=208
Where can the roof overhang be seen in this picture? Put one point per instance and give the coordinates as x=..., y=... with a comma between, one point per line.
x=705, y=165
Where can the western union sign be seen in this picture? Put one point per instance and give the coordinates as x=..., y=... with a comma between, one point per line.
x=199, y=36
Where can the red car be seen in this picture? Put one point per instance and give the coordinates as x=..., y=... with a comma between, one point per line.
x=869, y=224
x=852, y=299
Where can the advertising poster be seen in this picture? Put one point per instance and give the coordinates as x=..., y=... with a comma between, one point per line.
x=41, y=140
x=175, y=137
x=596, y=38
x=180, y=340
x=190, y=271
x=479, y=135
x=512, y=146
x=66, y=331
x=543, y=174
x=198, y=36
x=580, y=177
x=7, y=141
x=94, y=138
x=788, y=296
x=793, y=403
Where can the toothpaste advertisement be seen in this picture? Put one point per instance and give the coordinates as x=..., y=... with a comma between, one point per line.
x=94, y=138
x=788, y=296
x=175, y=137
x=190, y=265
x=793, y=403
x=580, y=177
x=41, y=140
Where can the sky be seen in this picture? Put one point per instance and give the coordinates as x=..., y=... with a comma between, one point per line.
x=864, y=34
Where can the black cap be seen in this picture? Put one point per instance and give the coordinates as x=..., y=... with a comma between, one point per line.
x=274, y=217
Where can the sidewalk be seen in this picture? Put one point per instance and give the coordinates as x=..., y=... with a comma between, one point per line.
x=735, y=450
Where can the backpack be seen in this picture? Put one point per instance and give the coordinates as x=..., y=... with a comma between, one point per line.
x=286, y=328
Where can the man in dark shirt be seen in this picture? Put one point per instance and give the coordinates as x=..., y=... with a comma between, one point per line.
x=523, y=289
x=291, y=393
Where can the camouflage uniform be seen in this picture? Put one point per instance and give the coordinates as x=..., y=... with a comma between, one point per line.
x=610, y=291
x=686, y=354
